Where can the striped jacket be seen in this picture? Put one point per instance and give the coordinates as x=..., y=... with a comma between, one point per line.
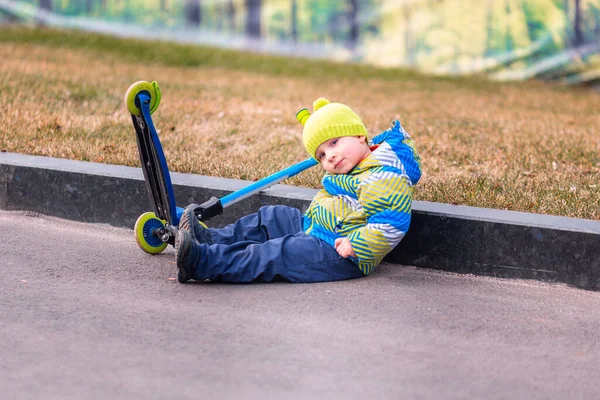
x=370, y=205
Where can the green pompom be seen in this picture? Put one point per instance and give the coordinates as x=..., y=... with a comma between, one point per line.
x=320, y=103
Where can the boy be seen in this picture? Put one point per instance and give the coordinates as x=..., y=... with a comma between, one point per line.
x=360, y=215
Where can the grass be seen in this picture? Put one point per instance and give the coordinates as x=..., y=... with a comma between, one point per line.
x=520, y=146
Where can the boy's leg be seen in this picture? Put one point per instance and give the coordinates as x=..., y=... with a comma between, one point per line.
x=268, y=223
x=295, y=258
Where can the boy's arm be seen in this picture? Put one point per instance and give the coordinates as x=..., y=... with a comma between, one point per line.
x=386, y=199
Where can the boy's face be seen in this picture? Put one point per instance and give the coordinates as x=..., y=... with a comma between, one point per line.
x=339, y=155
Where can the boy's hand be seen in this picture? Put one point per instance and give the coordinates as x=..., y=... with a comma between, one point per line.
x=344, y=248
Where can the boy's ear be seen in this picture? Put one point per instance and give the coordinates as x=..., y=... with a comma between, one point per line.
x=362, y=139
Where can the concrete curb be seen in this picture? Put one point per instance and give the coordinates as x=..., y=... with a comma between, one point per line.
x=453, y=238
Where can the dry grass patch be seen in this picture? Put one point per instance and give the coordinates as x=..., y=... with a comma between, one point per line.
x=521, y=147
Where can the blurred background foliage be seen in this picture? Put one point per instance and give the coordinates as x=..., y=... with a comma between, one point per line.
x=502, y=39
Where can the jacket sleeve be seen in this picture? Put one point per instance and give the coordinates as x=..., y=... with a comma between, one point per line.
x=386, y=198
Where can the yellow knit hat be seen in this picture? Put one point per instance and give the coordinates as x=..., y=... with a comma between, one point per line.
x=329, y=120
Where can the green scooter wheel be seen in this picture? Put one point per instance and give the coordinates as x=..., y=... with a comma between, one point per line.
x=151, y=89
x=144, y=226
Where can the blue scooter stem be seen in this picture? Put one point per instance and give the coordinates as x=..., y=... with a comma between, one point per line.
x=264, y=183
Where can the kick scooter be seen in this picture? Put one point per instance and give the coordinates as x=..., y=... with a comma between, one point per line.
x=154, y=231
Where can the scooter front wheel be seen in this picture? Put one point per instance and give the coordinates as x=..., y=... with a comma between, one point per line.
x=144, y=227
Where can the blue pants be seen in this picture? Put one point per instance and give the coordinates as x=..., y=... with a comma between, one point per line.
x=268, y=245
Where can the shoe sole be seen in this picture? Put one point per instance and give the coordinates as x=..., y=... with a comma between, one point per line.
x=182, y=246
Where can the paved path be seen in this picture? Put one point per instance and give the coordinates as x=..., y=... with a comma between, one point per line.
x=86, y=315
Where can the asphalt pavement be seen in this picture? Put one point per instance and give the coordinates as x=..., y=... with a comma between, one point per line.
x=85, y=314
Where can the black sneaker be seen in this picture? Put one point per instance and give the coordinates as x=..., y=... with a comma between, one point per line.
x=183, y=247
x=190, y=223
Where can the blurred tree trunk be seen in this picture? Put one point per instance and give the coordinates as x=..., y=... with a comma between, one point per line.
x=89, y=6
x=294, y=17
x=46, y=5
x=231, y=15
x=408, y=40
x=253, y=10
x=193, y=13
x=578, y=36
x=353, y=22
x=509, y=43
x=335, y=19
x=163, y=5
x=489, y=30
x=220, y=15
